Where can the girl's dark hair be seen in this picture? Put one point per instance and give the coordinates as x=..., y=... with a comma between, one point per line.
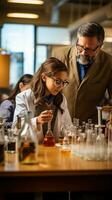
x=25, y=79
x=50, y=67
x=92, y=29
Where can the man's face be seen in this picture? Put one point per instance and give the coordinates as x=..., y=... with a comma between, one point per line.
x=87, y=49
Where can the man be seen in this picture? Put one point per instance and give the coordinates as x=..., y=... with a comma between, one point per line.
x=90, y=72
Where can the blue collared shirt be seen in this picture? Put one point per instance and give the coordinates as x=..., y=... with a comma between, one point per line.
x=82, y=69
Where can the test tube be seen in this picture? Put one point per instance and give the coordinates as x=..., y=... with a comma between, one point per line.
x=99, y=115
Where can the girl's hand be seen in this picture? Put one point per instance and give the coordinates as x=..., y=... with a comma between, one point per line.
x=44, y=117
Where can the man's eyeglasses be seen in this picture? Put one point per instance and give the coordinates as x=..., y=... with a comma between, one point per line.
x=81, y=48
x=60, y=82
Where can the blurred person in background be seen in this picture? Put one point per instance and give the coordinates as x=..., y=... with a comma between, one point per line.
x=3, y=97
x=7, y=106
x=90, y=70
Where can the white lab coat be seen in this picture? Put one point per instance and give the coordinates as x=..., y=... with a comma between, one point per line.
x=25, y=102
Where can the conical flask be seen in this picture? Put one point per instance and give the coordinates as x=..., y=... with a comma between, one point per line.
x=49, y=139
x=27, y=142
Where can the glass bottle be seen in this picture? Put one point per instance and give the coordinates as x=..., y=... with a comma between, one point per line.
x=61, y=135
x=101, y=146
x=27, y=142
x=49, y=139
x=2, y=143
x=109, y=136
x=12, y=134
x=66, y=148
x=100, y=125
x=18, y=124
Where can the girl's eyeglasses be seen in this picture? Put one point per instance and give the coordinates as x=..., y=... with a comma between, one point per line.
x=60, y=82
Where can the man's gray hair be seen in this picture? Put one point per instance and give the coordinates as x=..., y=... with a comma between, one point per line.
x=91, y=29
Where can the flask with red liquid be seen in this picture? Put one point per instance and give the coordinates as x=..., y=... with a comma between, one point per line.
x=49, y=140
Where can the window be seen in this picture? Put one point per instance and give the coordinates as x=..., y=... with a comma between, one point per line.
x=41, y=55
x=17, y=38
x=46, y=39
x=49, y=35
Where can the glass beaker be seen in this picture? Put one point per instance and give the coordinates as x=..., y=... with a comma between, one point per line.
x=11, y=142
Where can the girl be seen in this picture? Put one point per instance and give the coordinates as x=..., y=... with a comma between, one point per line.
x=45, y=99
x=8, y=105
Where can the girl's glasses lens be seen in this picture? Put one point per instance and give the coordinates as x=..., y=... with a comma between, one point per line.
x=60, y=82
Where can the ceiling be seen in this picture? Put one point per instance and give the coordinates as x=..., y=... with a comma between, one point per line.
x=54, y=12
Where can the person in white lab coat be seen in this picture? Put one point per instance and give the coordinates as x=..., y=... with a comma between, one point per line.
x=45, y=99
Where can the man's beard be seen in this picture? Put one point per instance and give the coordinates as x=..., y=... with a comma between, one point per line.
x=85, y=59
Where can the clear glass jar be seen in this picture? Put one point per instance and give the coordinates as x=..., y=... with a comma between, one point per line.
x=27, y=142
